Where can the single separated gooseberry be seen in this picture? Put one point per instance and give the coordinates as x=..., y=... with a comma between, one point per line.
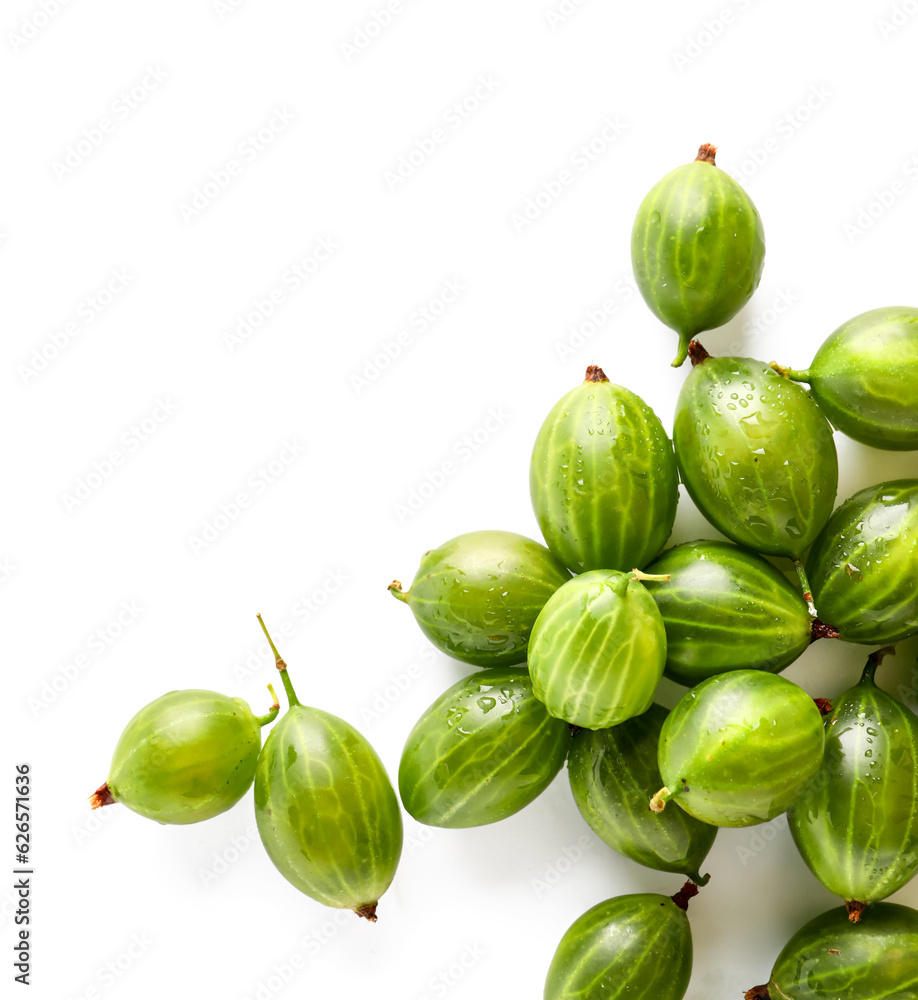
x=697, y=248
x=185, y=757
x=326, y=811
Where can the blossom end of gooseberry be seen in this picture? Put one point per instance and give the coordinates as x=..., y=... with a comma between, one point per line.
x=102, y=796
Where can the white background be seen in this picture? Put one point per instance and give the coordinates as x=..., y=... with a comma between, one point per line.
x=822, y=97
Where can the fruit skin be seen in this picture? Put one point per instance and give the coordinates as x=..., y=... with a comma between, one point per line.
x=830, y=958
x=726, y=608
x=755, y=454
x=862, y=567
x=610, y=771
x=740, y=747
x=326, y=810
x=481, y=752
x=477, y=596
x=865, y=378
x=186, y=756
x=637, y=947
x=697, y=248
x=856, y=826
x=603, y=478
x=597, y=650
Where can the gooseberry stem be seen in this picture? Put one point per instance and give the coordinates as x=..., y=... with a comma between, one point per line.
x=395, y=589
x=271, y=714
x=281, y=666
x=820, y=630
x=640, y=577
x=681, y=354
x=873, y=661
x=367, y=911
x=658, y=802
x=791, y=373
x=595, y=374
x=805, y=587
x=696, y=352
x=706, y=154
x=687, y=892
x=102, y=796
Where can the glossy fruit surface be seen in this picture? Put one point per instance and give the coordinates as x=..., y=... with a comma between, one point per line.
x=856, y=826
x=327, y=813
x=477, y=596
x=326, y=810
x=697, y=248
x=755, y=453
x=610, y=771
x=740, y=747
x=865, y=378
x=483, y=750
x=832, y=959
x=726, y=608
x=603, y=478
x=187, y=756
x=637, y=947
x=862, y=567
x=597, y=650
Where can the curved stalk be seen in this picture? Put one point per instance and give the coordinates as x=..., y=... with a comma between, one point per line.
x=281, y=666
x=271, y=714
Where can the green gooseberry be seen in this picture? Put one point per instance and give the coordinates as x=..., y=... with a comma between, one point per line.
x=739, y=748
x=755, y=453
x=477, y=596
x=185, y=757
x=856, y=825
x=726, y=608
x=482, y=751
x=863, y=567
x=697, y=248
x=633, y=947
x=326, y=811
x=830, y=958
x=865, y=378
x=597, y=649
x=610, y=771
x=603, y=478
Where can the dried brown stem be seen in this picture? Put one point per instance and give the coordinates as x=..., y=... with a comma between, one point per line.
x=821, y=630
x=697, y=353
x=706, y=154
x=102, y=796
x=367, y=911
x=687, y=892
